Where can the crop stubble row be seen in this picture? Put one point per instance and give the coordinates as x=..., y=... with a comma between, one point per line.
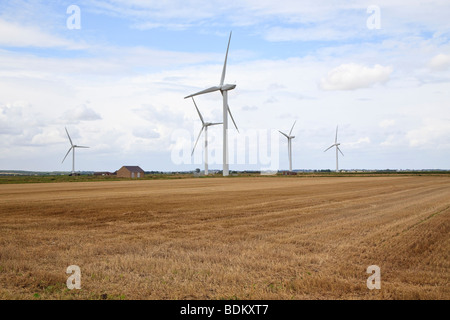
x=250, y=238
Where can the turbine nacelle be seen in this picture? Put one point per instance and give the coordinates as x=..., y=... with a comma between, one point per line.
x=208, y=124
x=227, y=87
x=222, y=88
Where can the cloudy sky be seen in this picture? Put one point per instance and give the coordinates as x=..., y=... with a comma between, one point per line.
x=115, y=74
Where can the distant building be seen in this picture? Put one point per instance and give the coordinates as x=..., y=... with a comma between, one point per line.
x=133, y=172
x=289, y=173
x=103, y=173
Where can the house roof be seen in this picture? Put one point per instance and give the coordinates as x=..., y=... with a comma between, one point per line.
x=133, y=168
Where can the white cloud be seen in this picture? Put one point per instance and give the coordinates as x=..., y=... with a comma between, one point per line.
x=158, y=114
x=83, y=113
x=287, y=20
x=387, y=123
x=170, y=26
x=358, y=143
x=390, y=141
x=355, y=76
x=249, y=108
x=145, y=133
x=17, y=35
x=10, y=116
x=178, y=10
x=49, y=135
x=440, y=62
x=434, y=132
x=314, y=33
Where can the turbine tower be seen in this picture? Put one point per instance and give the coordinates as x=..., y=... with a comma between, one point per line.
x=205, y=126
x=72, y=148
x=223, y=88
x=289, y=137
x=336, y=144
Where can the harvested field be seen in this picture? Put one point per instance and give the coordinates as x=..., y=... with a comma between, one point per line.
x=227, y=238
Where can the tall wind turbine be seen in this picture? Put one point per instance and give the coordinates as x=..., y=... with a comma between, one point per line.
x=223, y=88
x=205, y=126
x=72, y=148
x=289, y=137
x=336, y=144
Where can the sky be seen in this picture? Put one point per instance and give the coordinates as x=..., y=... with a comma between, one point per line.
x=115, y=74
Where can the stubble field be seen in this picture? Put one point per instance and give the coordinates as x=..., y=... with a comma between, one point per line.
x=227, y=238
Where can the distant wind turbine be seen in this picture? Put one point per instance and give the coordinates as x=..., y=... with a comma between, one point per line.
x=72, y=148
x=289, y=137
x=223, y=88
x=336, y=144
x=205, y=126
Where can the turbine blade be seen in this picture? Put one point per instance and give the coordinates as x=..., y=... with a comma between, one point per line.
x=197, y=140
x=69, y=137
x=284, y=134
x=229, y=111
x=335, y=139
x=340, y=150
x=329, y=148
x=222, y=79
x=81, y=147
x=212, y=89
x=216, y=123
x=292, y=127
x=200, y=115
x=67, y=154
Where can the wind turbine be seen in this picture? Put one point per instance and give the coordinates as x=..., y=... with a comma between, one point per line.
x=289, y=137
x=336, y=144
x=205, y=126
x=223, y=88
x=72, y=148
